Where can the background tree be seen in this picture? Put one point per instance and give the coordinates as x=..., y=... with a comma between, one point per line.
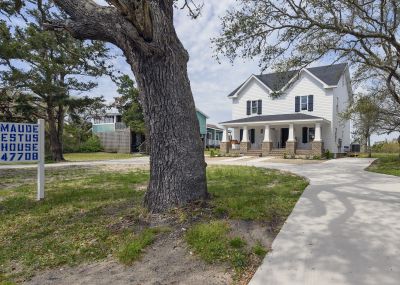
x=364, y=113
x=77, y=135
x=144, y=30
x=288, y=34
x=128, y=105
x=47, y=67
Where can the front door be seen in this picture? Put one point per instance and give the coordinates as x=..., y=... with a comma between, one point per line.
x=284, y=137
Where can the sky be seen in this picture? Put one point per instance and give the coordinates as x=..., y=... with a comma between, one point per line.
x=211, y=81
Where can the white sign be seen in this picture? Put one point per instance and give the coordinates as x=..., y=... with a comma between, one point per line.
x=24, y=143
x=19, y=142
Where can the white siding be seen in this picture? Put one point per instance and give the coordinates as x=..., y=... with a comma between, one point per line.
x=325, y=101
x=285, y=104
x=341, y=101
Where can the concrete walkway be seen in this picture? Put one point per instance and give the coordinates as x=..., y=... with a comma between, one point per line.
x=345, y=229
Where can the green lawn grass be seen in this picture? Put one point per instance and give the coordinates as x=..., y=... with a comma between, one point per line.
x=387, y=163
x=89, y=214
x=92, y=156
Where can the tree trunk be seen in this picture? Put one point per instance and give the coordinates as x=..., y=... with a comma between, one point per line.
x=55, y=143
x=177, y=165
x=369, y=147
x=144, y=30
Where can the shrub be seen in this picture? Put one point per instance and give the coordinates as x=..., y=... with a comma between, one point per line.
x=93, y=144
x=328, y=154
x=212, y=153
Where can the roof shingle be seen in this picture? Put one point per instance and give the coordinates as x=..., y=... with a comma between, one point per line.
x=329, y=74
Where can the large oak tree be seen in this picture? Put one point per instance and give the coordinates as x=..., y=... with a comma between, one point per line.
x=144, y=31
x=288, y=34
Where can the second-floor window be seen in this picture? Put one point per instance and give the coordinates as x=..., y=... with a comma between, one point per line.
x=254, y=107
x=304, y=103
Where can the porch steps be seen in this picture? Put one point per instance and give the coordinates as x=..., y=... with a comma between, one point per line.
x=277, y=152
x=254, y=152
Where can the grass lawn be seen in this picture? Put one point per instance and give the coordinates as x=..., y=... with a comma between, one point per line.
x=387, y=163
x=98, y=156
x=90, y=214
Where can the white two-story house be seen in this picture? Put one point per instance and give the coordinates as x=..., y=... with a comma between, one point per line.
x=295, y=112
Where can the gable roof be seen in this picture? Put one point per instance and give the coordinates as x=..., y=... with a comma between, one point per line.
x=270, y=118
x=202, y=113
x=328, y=74
x=215, y=127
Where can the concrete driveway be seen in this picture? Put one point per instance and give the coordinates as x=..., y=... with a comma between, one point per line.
x=345, y=229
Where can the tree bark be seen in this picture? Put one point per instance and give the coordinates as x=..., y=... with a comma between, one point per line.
x=56, y=148
x=176, y=153
x=145, y=32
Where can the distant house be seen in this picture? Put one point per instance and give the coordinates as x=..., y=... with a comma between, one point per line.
x=214, y=135
x=296, y=112
x=115, y=136
x=202, y=118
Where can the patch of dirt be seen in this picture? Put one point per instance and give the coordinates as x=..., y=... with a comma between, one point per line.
x=167, y=261
x=252, y=232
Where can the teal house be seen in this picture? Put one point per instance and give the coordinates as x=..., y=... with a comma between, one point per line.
x=115, y=136
x=203, y=125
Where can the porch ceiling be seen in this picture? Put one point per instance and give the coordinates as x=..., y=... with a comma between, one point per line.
x=276, y=120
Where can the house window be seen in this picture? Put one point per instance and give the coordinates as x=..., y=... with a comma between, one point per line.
x=304, y=103
x=308, y=135
x=311, y=134
x=254, y=107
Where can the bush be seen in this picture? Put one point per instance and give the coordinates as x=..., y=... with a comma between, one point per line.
x=328, y=154
x=93, y=144
x=386, y=147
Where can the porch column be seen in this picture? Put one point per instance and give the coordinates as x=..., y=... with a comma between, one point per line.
x=291, y=143
x=245, y=137
x=225, y=144
x=317, y=145
x=317, y=132
x=245, y=144
x=267, y=143
x=267, y=134
x=225, y=135
x=291, y=133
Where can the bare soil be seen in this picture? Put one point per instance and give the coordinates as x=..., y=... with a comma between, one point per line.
x=167, y=261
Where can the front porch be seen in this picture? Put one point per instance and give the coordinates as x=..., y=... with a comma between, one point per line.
x=273, y=137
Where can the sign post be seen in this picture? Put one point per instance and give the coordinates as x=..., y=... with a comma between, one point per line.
x=24, y=143
x=40, y=174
